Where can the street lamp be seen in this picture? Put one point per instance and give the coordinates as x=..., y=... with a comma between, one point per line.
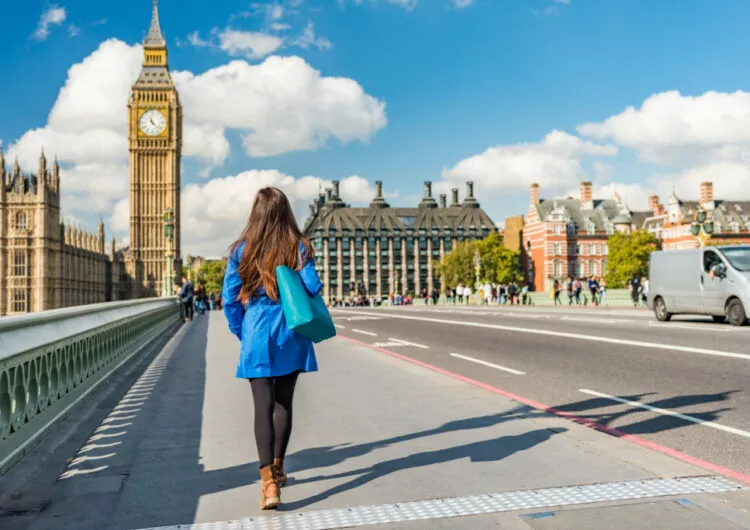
x=477, y=267
x=702, y=227
x=168, y=283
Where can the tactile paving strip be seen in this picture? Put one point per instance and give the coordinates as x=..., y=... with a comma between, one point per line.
x=473, y=505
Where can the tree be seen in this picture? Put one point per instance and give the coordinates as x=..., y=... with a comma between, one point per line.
x=629, y=255
x=499, y=264
x=211, y=275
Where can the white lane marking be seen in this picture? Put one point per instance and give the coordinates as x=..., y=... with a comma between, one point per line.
x=602, y=320
x=667, y=412
x=340, y=326
x=485, y=363
x=365, y=332
x=407, y=343
x=578, y=336
x=708, y=326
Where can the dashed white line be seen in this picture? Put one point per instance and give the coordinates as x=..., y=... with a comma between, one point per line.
x=407, y=343
x=490, y=365
x=365, y=332
x=667, y=412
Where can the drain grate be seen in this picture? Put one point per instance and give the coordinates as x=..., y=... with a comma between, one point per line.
x=472, y=505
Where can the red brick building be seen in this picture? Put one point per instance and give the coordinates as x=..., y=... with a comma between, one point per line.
x=731, y=220
x=568, y=237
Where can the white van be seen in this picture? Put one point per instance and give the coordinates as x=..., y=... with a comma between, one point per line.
x=704, y=281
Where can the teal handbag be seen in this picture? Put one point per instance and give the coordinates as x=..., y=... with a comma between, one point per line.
x=304, y=314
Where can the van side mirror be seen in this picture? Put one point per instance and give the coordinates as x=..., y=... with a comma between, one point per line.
x=721, y=270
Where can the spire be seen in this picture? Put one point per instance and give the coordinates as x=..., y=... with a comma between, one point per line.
x=16, y=167
x=155, y=39
x=2, y=158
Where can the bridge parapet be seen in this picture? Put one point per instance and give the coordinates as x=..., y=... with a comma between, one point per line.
x=50, y=361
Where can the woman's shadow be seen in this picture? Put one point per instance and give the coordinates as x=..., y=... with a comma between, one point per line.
x=485, y=451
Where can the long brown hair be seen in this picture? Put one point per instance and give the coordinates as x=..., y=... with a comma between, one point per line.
x=271, y=238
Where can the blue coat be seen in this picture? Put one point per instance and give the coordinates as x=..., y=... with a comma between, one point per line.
x=269, y=348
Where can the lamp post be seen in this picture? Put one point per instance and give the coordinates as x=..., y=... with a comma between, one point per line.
x=702, y=227
x=477, y=267
x=395, y=280
x=168, y=283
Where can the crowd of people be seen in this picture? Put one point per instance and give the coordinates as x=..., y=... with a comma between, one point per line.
x=580, y=289
x=195, y=299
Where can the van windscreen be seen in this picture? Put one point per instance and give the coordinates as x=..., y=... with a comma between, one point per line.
x=739, y=257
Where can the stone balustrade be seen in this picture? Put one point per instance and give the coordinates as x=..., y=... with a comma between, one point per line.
x=51, y=361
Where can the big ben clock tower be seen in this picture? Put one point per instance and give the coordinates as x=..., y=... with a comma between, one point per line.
x=155, y=139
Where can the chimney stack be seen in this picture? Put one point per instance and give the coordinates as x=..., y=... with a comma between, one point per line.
x=535, y=193
x=427, y=189
x=443, y=200
x=312, y=210
x=329, y=195
x=469, y=190
x=653, y=203
x=707, y=194
x=378, y=189
x=454, y=197
x=335, y=189
x=379, y=201
x=587, y=196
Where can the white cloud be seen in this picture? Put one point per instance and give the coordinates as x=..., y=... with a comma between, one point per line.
x=195, y=40
x=280, y=26
x=554, y=163
x=308, y=39
x=460, y=4
x=673, y=129
x=406, y=4
x=280, y=105
x=54, y=15
x=74, y=30
x=214, y=213
x=249, y=44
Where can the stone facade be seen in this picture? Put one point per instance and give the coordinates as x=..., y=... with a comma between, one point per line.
x=45, y=264
x=381, y=250
x=155, y=140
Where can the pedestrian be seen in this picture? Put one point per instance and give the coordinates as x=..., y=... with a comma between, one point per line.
x=602, y=291
x=594, y=289
x=556, y=289
x=271, y=355
x=186, y=297
x=634, y=286
x=435, y=296
x=460, y=293
x=644, y=291
x=467, y=294
x=577, y=291
x=524, y=294
x=569, y=289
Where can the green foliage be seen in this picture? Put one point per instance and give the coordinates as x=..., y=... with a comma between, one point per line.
x=211, y=276
x=499, y=264
x=629, y=254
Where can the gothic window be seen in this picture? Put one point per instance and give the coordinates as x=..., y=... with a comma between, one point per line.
x=19, y=301
x=19, y=264
x=556, y=249
x=579, y=269
x=579, y=250
x=556, y=230
x=571, y=229
x=605, y=249
x=21, y=221
x=610, y=229
x=591, y=249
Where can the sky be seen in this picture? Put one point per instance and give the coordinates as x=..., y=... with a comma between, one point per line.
x=638, y=96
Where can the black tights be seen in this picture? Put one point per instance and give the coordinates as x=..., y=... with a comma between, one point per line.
x=272, y=397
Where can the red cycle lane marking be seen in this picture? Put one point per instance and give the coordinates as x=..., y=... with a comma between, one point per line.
x=714, y=468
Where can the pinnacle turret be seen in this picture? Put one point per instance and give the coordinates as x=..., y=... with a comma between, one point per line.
x=155, y=39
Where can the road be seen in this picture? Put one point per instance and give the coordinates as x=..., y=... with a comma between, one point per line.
x=683, y=384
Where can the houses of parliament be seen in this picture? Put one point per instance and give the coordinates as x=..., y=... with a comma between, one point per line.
x=46, y=264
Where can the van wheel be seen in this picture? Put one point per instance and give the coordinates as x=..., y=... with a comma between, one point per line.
x=736, y=313
x=660, y=310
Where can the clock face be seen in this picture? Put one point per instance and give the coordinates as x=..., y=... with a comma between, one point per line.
x=152, y=122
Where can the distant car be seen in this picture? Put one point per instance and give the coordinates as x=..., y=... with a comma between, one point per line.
x=711, y=281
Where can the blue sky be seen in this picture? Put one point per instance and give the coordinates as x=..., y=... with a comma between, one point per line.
x=435, y=90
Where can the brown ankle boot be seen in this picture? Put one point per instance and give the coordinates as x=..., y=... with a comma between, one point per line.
x=270, y=494
x=278, y=463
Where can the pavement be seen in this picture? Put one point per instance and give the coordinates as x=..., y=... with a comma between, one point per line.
x=395, y=432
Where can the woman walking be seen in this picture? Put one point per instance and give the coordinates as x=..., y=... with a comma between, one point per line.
x=271, y=355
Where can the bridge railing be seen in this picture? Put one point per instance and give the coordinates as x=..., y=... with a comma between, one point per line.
x=50, y=361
